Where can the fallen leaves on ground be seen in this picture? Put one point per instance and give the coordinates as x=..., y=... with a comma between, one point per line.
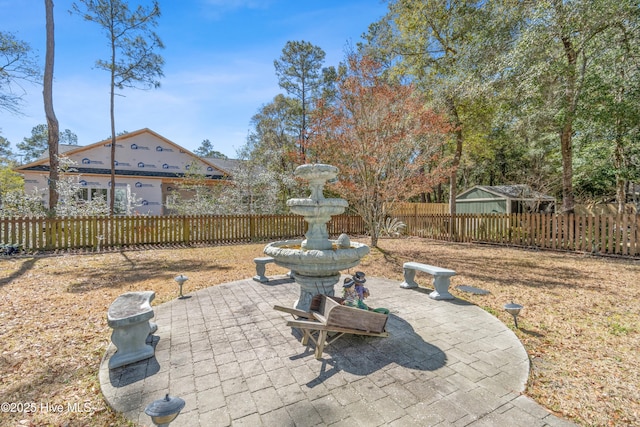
x=579, y=323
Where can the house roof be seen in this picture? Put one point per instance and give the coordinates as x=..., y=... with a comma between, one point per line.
x=62, y=148
x=154, y=174
x=515, y=191
x=227, y=165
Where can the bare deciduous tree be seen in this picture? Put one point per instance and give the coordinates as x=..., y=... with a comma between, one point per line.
x=382, y=138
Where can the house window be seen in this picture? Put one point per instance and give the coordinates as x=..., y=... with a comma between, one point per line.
x=120, y=205
x=83, y=194
x=98, y=192
x=92, y=193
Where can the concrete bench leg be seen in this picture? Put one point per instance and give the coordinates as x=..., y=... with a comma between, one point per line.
x=409, y=279
x=131, y=343
x=441, y=286
x=261, y=268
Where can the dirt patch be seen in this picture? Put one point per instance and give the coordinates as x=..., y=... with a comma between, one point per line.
x=579, y=323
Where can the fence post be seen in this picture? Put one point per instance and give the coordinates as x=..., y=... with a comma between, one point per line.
x=452, y=227
x=186, y=229
x=252, y=227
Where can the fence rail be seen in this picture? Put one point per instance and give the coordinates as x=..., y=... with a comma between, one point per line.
x=598, y=234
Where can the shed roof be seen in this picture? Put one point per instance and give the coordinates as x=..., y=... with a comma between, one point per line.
x=515, y=191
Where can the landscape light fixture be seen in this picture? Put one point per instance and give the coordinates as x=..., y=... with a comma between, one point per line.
x=181, y=279
x=513, y=309
x=163, y=411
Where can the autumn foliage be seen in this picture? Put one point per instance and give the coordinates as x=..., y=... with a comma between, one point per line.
x=383, y=138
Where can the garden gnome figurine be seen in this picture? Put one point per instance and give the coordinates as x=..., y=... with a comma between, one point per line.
x=349, y=293
x=361, y=291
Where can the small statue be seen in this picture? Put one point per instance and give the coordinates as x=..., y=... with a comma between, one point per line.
x=359, y=279
x=354, y=293
x=349, y=293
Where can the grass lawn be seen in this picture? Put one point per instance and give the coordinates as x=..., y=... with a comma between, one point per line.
x=579, y=324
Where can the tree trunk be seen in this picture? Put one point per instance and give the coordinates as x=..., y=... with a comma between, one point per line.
x=52, y=121
x=570, y=105
x=453, y=179
x=619, y=154
x=634, y=196
x=621, y=183
x=374, y=237
x=303, y=131
x=568, y=202
x=439, y=196
x=374, y=216
x=112, y=189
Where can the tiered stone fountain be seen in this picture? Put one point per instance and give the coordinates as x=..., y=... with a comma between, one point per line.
x=316, y=261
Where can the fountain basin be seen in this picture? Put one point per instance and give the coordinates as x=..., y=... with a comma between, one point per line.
x=317, y=208
x=317, y=172
x=315, y=262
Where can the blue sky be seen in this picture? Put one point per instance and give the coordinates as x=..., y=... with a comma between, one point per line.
x=219, y=65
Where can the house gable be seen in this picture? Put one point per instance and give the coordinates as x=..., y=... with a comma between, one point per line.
x=479, y=193
x=148, y=166
x=142, y=153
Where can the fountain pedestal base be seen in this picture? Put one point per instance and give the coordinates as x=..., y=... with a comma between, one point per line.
x=311, y=286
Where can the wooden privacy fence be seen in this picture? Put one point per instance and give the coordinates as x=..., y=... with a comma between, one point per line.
x=96, y=233
x=605, y=235
x=598, y=234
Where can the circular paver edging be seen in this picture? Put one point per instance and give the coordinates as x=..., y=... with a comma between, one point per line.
x=232, y=358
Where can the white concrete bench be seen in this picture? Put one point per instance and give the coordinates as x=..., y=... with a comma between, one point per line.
x=261, y=266
x=129, y=316
x=441, y=279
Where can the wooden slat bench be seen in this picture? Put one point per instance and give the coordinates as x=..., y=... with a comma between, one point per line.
x=441, y=279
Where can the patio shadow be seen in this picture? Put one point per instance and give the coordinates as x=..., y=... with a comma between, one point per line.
x=138, y=371
x=361, y=356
